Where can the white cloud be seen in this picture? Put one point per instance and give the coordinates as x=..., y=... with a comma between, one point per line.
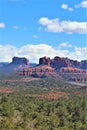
x=83, y=4
x=65, y=44
x=70, y=9
x=35, y=36
x=65, y=6
x=79, y=53
x=54, y=25
x=7, y=52
x=2, y=25
x=34, y=52
x=15, y=27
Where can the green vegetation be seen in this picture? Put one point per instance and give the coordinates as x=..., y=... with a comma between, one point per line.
x=19, y=111
x=26, y=85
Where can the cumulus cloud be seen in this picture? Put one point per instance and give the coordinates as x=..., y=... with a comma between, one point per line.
x=65, y=44
x=79, y=53
x=83, y=4
x=2, y=25
x=55, y=25
x=65, y=6
x=34, y=52
x=7, y=52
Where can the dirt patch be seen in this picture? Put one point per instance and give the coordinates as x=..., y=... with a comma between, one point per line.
x=6, y=90
x=78, y=93
x=53, y=95
x=20, y=80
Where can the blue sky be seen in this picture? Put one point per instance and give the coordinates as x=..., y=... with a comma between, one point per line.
x=37, y=28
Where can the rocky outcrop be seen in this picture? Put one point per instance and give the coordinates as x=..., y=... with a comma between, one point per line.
x=44, y=61
x=72, y=70
x=73, y=74
x=75, y=63
x=58, y=62
x=40, y=71
x=84, y=64
x=20, y=61
x=15, y=65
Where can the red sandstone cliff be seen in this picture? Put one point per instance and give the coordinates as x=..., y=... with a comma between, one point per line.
x=20, y=61
x=66, y=68
x=40, y=71
x=58, y=62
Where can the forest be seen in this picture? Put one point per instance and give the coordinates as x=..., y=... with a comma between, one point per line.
x=19, y=112
x=23, y=109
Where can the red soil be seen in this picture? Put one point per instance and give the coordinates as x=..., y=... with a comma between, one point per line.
x=53, y=95
x=6, y=90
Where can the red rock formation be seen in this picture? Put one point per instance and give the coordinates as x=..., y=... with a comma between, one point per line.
x=44, y=61
x=58, y=67
x=73, y=74
x=40, y=71
x=72, y=70
x=84, y=64
x=20, y=60
x=75, y=63
x=59, y=62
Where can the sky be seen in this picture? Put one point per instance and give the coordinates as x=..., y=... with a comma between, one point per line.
x=37, y=28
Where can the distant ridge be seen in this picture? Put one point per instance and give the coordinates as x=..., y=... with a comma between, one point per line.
x=58, y=62
x=58, y=67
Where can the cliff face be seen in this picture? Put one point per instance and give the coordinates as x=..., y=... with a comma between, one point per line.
x=15, y=65
x=40, y=71
x=44, y=61
x=20, y=61
x=73, y=74
x=75, y=63
x=58, y=67
x=58, y=62
x=71, y=70
x=84, y=64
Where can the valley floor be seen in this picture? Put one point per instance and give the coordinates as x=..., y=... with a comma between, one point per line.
x=42, y=104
